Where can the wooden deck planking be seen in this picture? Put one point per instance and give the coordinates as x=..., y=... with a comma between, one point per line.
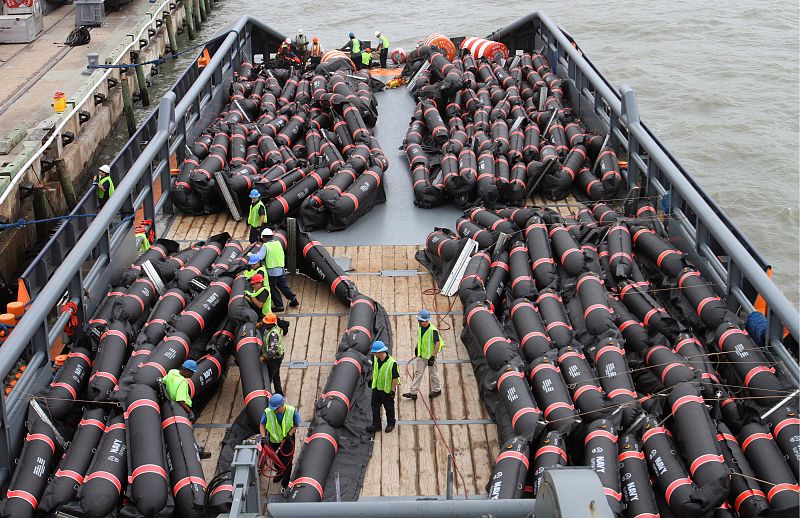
x=413, y=459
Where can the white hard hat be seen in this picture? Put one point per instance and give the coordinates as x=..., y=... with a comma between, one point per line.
x=266, y=233
x=300, y=32
x=288, y=40
x=377, y=34
x=105, y=168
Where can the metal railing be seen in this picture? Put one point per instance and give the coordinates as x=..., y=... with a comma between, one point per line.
x=696, y=224
x=105, y=246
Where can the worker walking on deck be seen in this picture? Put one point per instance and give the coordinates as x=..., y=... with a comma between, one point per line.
x=301, y=44
x=259, y=296
x=277, y=433
x=429, y=344
x=354, y=46
x=275, y=263
x=105, y=185
x=272, y=349
x=316, y=52
x=385, y=379
x=383, y=48
x=257, y=217
x=366, y=58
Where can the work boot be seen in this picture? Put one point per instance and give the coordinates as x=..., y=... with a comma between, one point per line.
x=409, y=395
x=435, y=393
x=278, y=310
x=389, y=428
x=205, y=454
x=285, y=492
x=294, y=303
x=372, y=428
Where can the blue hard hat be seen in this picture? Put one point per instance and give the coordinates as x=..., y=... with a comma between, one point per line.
x=255, y=194
x=378, y=347
x=190, y=365
x=352, y=35
x=276, y=401
x=424, y=315
x=252, y=260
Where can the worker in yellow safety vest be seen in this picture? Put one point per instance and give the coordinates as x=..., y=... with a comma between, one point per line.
x=254, y=266
x=257, y=217
x=259, y=296
x=354, y=46
x=366, y=58
x=177, y=388
x=105, y=185
x=383, y=47
x=429, y=344
x=277, y=433
x=275, y=263
x=385, y=379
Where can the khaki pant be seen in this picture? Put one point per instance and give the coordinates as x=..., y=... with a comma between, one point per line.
x=420, y=364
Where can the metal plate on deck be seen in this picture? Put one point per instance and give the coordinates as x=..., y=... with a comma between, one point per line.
x=399, y=273
x=298, y=364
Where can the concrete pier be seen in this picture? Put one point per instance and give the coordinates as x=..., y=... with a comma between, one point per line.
x=30, y=74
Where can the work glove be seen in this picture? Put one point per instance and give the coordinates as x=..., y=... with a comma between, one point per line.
x=431, y=361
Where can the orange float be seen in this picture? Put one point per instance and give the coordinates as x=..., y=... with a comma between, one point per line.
x=483, y=48
x=330, y=55
x=443, y=42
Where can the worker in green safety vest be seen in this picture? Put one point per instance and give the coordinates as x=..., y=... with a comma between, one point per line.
x=275, y=264
x=177, y=387
x=429, y=344
x=272, y=349
x=385, y=379
x=257, y=217
x=254, y=266
x=259, y=296
x=105, y=185
x=354, y=46
x=383, y=47
x=366, y=58
x=142, y=242
x=277, y=433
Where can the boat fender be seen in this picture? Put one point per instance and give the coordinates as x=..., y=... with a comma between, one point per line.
x=521, y=276
x=489, y=335
x=106, y=479
x=615, y=378
x=510, y=470
x=148, y=478
x=551, y=393
x=769, y=465
x=516, y=396
x=316, y=456
x=111, y=355
x=551, y=452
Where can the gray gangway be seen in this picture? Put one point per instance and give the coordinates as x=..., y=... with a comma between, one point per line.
x=81, y=258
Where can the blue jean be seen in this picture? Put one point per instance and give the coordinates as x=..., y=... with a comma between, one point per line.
x=277, y=285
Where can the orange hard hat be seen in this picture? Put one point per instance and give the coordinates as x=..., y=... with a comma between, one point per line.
x=270, y=318
x=315, y=39
x=257, y=278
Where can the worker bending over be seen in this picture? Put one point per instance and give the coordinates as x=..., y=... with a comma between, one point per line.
x=383, y=47
x=286, y=54
x=385, y=379
x=177, y=388
x=429, y=344
x=277, y=433
x=272, y=349
x=254, y=266
x=257, y=217
x=366, y=58
x=259, y=295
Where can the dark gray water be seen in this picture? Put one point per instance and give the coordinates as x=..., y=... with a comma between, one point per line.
x=717, y=83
